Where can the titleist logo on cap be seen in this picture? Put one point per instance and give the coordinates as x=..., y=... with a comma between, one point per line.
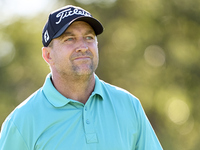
x=69, y=12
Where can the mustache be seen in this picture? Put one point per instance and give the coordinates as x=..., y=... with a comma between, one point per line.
x=81, y=54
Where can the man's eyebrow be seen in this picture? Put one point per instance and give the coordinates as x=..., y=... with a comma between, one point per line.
x=67, y=33
x=90, y=32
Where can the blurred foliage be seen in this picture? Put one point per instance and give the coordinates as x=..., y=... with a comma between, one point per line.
x=151, y=48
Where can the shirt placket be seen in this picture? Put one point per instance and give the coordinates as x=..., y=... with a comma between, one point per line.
x=90, y=134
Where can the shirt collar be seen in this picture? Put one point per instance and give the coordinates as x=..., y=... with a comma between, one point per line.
x=98, y=87
x=57, y=99
x=52, y=95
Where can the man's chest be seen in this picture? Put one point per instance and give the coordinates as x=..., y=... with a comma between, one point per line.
x=88, y=130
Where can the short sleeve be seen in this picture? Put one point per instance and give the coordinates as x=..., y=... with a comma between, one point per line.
x=147, y=139
x=10, y=137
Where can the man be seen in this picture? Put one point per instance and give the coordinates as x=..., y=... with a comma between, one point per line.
x=74, y=109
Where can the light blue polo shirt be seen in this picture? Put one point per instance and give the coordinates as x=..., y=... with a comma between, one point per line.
x=112, y=119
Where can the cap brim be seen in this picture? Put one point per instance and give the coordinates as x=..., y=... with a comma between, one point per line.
x=94, y=23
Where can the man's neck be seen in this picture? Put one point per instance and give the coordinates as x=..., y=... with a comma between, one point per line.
x=76, y=88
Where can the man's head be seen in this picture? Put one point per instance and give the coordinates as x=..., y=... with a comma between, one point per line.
x=70, y=42
x=62, y=18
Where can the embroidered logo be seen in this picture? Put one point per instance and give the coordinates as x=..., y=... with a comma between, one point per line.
x=46, y=36
x=66, y=13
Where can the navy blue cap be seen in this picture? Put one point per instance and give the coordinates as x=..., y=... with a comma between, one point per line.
x=62, y=18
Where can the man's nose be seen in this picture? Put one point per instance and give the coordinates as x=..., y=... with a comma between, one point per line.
x=81, y=45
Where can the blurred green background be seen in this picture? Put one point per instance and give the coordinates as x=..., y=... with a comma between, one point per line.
x=149, y=47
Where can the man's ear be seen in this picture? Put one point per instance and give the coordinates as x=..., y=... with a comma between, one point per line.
x=46, y=54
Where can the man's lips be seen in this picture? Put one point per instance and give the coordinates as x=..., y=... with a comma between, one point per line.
x=81, y=57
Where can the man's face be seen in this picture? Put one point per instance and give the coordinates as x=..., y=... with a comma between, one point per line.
x=75, y=52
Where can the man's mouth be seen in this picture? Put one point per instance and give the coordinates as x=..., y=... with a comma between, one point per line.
x=82, y=57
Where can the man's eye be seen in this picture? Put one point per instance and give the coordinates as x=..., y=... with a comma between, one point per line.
x=68, y=39
x=89, y=37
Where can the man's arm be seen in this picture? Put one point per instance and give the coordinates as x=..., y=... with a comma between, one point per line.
x=10, y=137
x=147, y=139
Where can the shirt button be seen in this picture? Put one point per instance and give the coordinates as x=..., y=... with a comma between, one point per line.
x=88, y=121
x=85, y=108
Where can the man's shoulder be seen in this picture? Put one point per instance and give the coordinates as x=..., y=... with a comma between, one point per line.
x=26, y=107
x=121, y=99
x=113, y=88
x=33, y=98
x=117, y=93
